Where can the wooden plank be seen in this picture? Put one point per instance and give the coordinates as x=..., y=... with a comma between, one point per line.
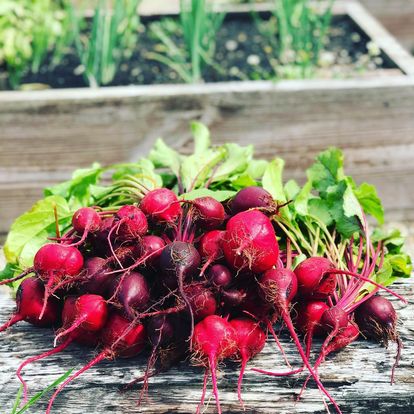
x=397, y=16
x=387, y=43
x=358, y=377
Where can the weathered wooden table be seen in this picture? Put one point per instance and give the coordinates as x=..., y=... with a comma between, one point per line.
x=357, y=376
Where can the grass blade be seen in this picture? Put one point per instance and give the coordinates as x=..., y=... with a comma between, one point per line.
x=199, y=25
x=17, y=400
x=40, y=394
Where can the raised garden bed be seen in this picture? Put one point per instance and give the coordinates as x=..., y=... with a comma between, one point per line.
x=46, y=134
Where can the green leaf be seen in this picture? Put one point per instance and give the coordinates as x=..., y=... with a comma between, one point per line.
x=8, y=271
x=272, y=180
x=393, y=268
x=401, y=265
x=320, y=209
x=143, y=171
x=98, y=191
x=351, y=205
x=195, y=170
x=291, y=189
x=201, y=136
x=243, y=181
x=30, y=231
x=256, y=168
x=384, y=276
x=327, y=170
x=345, y=225
x=236, y=160
x=392, y=240
x=40, y=394
x=302, y=199
x=370, y=202
x=77, y=190
x=204, y=192
x=164, y=156
x=168, y=180
x=17, y=400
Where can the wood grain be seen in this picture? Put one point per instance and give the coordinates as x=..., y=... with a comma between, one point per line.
x=358, y=377
x=397, y=16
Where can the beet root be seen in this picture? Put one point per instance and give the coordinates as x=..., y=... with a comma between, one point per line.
x=214, y=339
x=377, y=319
x=250, y=340
x=250, y=242
x=29, y=302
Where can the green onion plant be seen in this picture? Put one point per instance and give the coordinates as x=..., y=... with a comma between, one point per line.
x=197, y=26
x=297, y=34
x=107, y=39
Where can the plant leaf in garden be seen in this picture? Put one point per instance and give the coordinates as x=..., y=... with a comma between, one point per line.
x=30, y=231
x=272, y=180
x=76, y=191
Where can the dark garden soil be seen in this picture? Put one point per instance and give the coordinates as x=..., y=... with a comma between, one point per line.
x=242, y=53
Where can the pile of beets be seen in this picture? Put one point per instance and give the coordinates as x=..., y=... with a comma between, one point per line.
x=193, y=279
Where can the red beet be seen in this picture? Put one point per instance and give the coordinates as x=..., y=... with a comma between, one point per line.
x=202, y=300
x=132, y=223
x=214, y=339
x=54, y=262
x=251, y=197
x=314, y=279
x=279, y=285
x=120, y=338
x=334, y=319
x=73, y=315
x=219, y=276
x=209, y=212
x=161, y=333
x=250, y=242
x=123, y=339
x=97, y=280
x=232, y=298
x=278, y=288
x=250, y=340
x=88, y=312
x=308, y=319
x=161, y=205
x=132, y=293
x=86, y=220
x=347, y=335
x=106, y=226
x=152, y=245
x=29, y=305
x=344, y=337
x=254, y=304
x=377, y=319
x=178, y=262
x=309, y=316
x=210, y=248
